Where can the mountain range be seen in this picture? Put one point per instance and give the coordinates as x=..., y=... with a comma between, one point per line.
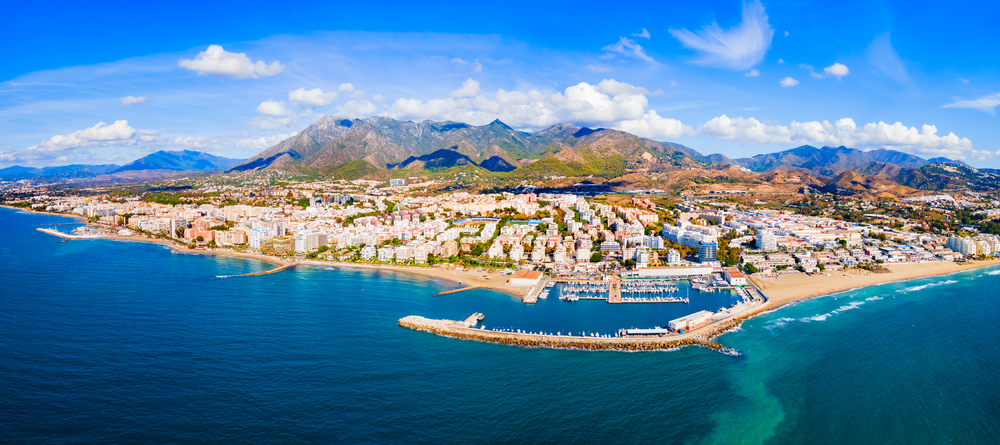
x=158, y=164
x=379, y=146
x=386, y=144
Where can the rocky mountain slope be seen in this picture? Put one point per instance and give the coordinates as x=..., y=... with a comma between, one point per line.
x=388, y=143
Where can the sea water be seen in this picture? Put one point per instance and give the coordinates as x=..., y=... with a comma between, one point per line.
x=122, y=342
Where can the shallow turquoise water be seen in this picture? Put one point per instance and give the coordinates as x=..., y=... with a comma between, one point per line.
x=106, y=341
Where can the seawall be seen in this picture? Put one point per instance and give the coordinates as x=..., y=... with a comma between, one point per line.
x=701, y=337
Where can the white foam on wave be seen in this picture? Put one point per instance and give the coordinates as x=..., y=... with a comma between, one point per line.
x=873, y=298
x=820, y=317
x=847, y=307
x=995, y=272
x=778, y=323
x=925, y=286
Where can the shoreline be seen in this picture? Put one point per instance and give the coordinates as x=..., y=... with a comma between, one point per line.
x=786, y=290
x=793, y=288
x=467, y=277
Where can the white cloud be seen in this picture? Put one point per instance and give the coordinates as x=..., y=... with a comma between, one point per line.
x=470, y=88
x=275, y=115
x=963, y=80
x=786, y=33
x=738, y=48
x=651, y=125
x=220, y=62
x=314, y=97
x=598, y=69
x=346, y=87
x=476, y=66
x=673, y=83
x=789, y=82
x=60, y=147
x=608, y=103
x=837, y=70
x=258, y=144
x=194, y=141
x=626, y=47
x=883, y=57
x=379, y=98
x=781, y=61
x=644, y=34
x=273, y=108
x=133, y=100
x=987, y=104
x=614, y=87
x=356, y=108
x=357, y=94
x=752, y=73
x=812, y=72
x=842, y=132
x=983, y=155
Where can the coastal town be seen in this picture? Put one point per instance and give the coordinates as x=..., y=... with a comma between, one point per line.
x=524, y=241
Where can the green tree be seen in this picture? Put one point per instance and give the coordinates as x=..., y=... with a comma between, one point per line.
x=597, y=257
x=750, y=268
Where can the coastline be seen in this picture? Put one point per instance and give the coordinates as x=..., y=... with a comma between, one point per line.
x=468, y=277
x=780, y=292
x=792, y=288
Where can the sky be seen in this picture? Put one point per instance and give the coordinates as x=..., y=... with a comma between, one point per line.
x=87, y=85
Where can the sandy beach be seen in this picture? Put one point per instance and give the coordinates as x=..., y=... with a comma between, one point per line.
x=793, y=287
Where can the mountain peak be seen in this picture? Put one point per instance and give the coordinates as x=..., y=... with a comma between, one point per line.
x=498, y=122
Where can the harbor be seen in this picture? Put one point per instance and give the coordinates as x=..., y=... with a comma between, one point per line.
x=703, y=315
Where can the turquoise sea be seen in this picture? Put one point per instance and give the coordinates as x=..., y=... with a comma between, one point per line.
x=115, y=342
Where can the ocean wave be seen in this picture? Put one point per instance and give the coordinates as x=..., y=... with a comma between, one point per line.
x=847, y=307
x=778, y=323
x=820, y=317
x=925, y=286
x=873, y=298
x=995, y=272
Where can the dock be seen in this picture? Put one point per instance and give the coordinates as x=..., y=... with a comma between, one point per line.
x=532, y=296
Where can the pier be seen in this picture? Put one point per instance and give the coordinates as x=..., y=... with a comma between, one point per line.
x=65, y=235
x=454, y=291
x=267, y=272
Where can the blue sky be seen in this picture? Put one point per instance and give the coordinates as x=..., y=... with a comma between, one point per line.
x=107, y=85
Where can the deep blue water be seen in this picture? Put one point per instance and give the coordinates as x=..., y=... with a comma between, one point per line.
x=116, y=342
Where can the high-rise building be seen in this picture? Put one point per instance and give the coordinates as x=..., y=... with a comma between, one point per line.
x=707, y=252
x=766, y=240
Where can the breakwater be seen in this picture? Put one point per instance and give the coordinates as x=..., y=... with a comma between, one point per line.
x=459, y=290
x=266, y=272
x=701, y=337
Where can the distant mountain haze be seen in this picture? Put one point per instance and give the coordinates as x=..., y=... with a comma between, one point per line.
x=161, y=161
x=186, y=160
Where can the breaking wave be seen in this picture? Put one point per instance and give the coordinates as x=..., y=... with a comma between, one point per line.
x=925, y=286
x=820, y=317
x=873, y=298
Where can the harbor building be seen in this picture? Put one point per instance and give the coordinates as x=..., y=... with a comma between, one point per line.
x=524, y=278
x=689, y=322
x=735, y=278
